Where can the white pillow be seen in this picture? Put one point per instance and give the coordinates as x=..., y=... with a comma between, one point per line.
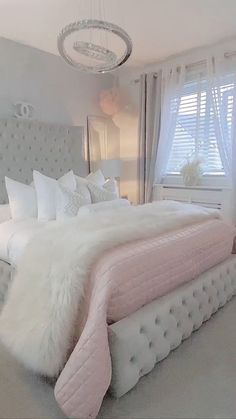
x=99, y=193
x=68, y=203
x=97, y=178
x=111, y=186
x=22, y=199
x=46, y=188
x=104, y=206
x=5, y=213
x=82, y=182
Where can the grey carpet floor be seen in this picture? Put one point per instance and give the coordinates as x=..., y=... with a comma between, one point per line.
x=198, y=380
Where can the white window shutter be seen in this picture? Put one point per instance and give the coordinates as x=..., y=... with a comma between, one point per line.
x=194, y=134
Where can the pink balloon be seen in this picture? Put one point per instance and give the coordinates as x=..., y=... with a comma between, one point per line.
x=111, y=101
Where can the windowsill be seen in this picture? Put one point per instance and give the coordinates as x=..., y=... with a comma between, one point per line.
x=213, y=181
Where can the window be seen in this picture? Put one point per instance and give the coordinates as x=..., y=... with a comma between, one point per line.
x=194, y=132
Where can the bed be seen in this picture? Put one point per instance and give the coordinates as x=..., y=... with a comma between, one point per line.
x=141, y=297
x=26, y=145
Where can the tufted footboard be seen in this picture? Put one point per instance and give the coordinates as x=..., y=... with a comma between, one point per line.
x=146, y=337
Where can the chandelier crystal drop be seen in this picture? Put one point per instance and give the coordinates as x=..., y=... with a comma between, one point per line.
x=102, y=58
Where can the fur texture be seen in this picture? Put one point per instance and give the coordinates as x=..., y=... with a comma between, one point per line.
x=37, y=321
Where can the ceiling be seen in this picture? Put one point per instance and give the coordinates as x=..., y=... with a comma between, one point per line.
x=158, y=28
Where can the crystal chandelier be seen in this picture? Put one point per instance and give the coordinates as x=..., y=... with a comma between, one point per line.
x=85, y=44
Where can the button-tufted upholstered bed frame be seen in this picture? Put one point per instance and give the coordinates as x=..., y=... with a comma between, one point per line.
x=26, y=145
x=139, y=341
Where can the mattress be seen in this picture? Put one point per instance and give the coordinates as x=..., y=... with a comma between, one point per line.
x=147, y=269
x=14, y=237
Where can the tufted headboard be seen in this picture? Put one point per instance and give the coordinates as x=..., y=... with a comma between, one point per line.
x=52, y=149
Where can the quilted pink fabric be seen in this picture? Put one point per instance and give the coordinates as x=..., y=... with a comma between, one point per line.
x=122, y=281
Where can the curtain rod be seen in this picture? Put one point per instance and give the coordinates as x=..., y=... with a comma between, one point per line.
x=200, y=62
x=192, y=65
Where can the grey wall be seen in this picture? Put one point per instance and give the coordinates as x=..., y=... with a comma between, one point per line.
x=59, y=93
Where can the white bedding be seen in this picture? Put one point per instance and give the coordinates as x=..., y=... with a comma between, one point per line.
x=15, y=235
x=37, y=326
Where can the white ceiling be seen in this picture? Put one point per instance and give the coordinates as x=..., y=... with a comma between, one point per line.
x=158, y=28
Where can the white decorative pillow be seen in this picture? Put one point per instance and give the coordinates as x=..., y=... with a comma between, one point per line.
x=97, y=178
x=82, y=182
x=104, y=206
x=99, y=194
x=22, y=199
x=94, y=177
x=5, y=213
x=68, y=203
x=104, y=185
x=111, y=186
x=46, y=188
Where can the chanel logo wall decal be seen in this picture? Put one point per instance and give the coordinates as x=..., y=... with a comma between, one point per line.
x=23, y=110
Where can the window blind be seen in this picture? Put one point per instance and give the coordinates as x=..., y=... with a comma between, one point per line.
x=194, y=131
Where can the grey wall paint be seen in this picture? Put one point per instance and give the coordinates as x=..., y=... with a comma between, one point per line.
x=59, y=93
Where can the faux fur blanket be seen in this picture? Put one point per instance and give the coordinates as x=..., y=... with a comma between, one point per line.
x=37, y=322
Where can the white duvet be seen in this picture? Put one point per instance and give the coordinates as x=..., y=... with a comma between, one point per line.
x=16, y=234
x=38, y=319
x=14, y=237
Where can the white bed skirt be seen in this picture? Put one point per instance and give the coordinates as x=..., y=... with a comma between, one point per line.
x=146, y=337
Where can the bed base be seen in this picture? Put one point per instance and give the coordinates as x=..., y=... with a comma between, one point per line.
x=5, y=279
x=138, y=342
x=141, y=340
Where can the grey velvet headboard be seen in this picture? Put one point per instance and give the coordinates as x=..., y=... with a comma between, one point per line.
x=52, y=149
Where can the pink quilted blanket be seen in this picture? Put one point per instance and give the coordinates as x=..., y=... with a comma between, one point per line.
x=122, y=281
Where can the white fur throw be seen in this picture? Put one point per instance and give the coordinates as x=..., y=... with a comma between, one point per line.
x=37, y=321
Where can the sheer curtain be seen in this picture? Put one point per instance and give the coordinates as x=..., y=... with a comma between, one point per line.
x=160, y=105
x=149, y=132
x=222, y=88
x=173, y=81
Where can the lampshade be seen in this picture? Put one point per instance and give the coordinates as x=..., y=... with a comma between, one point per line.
x=111, y=168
